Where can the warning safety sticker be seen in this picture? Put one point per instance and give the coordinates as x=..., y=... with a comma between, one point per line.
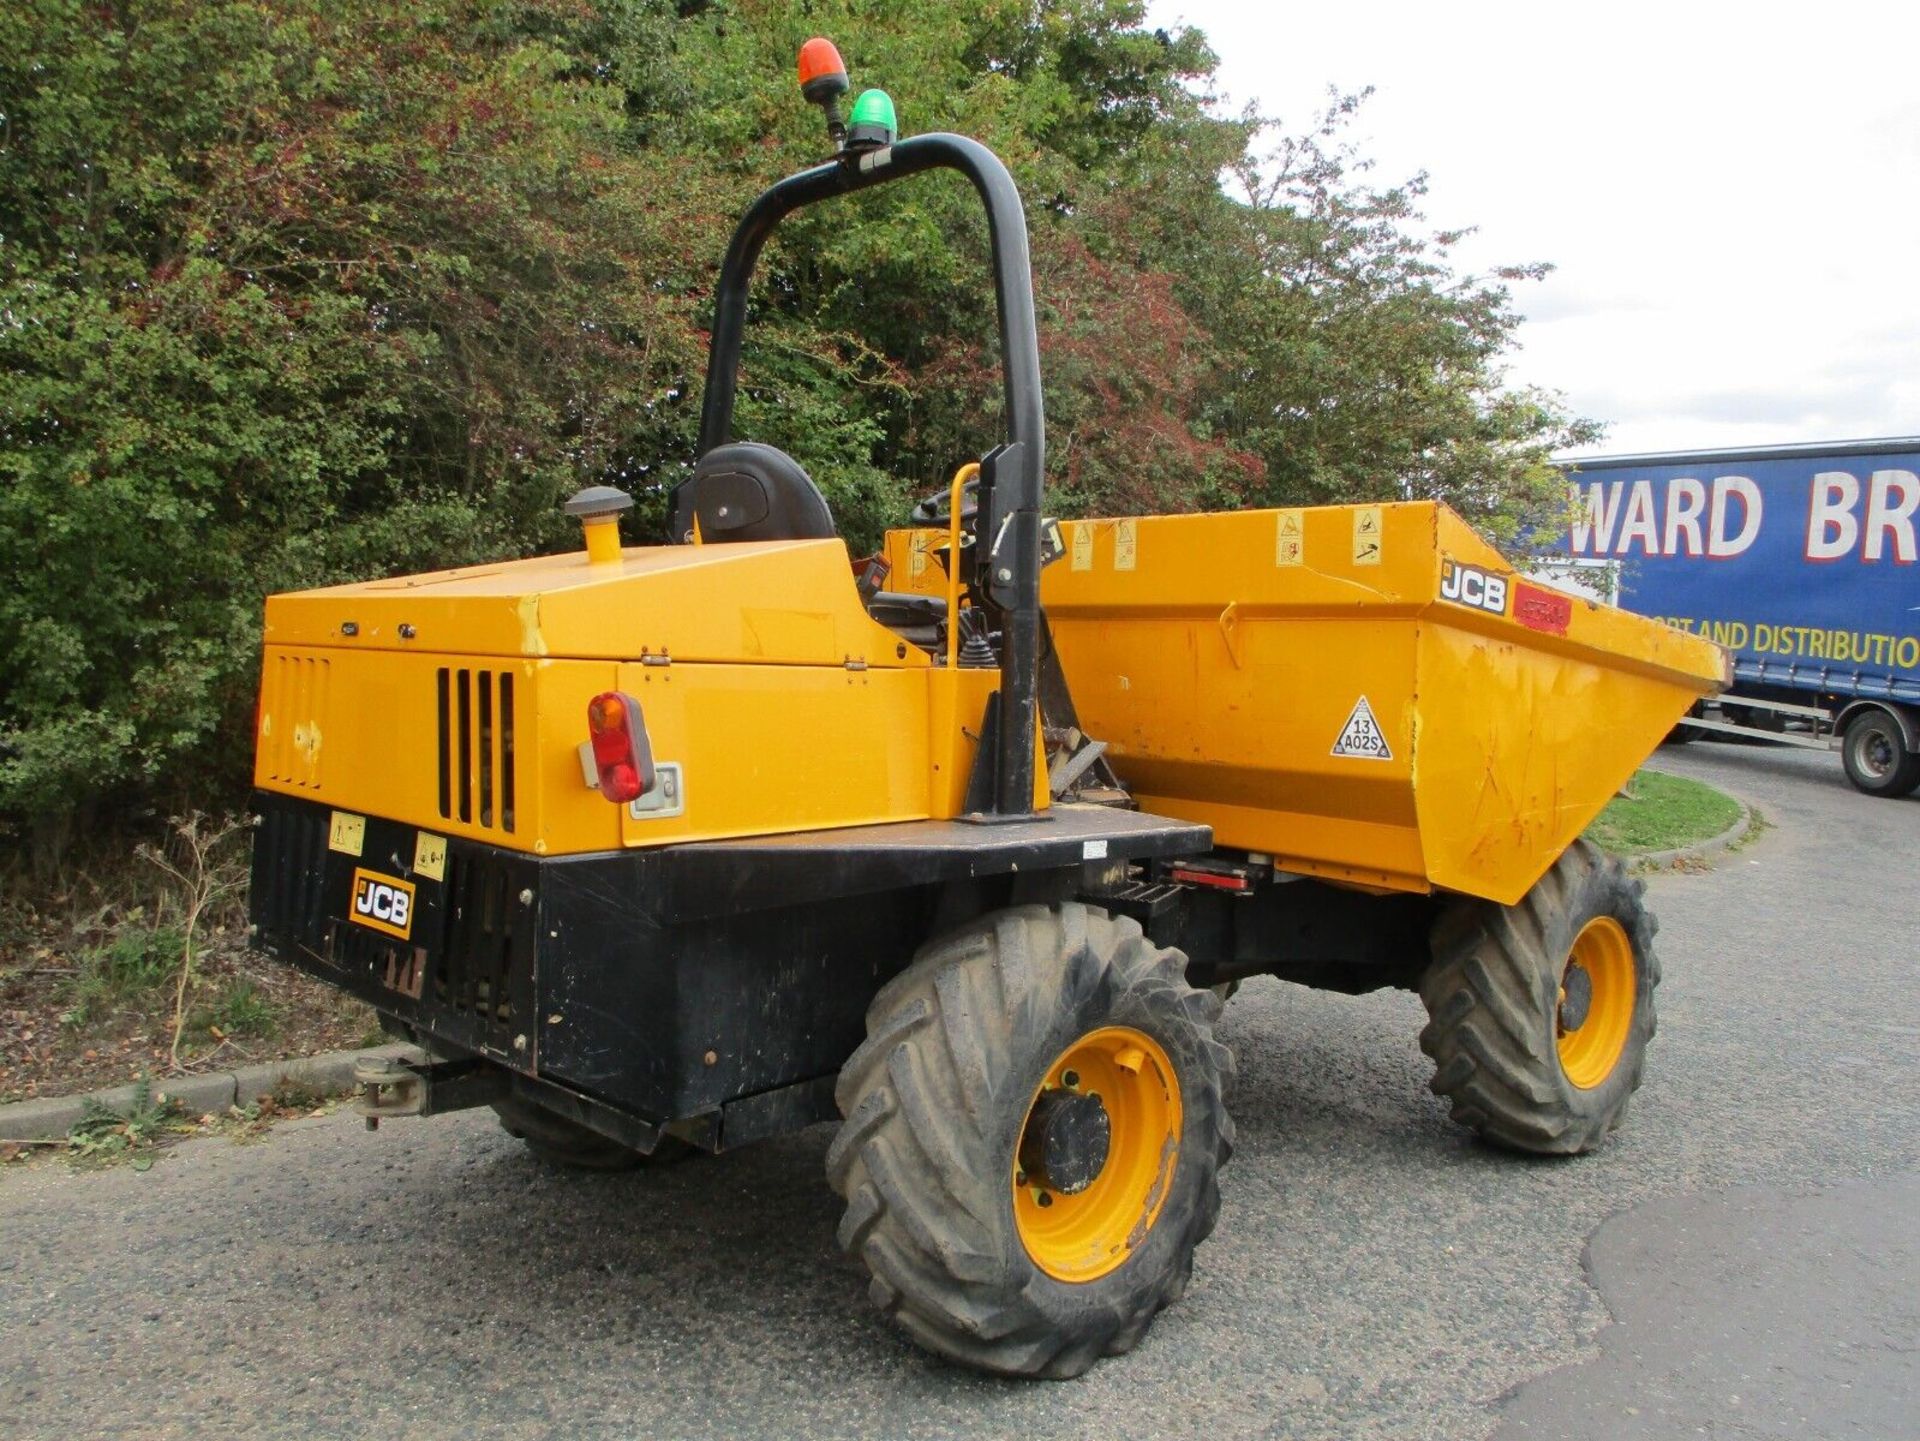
x=1290, y=543
x=1361, y=736
x=1366, y=535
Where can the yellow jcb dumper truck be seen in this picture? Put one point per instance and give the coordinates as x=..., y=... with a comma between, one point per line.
x=668, y=849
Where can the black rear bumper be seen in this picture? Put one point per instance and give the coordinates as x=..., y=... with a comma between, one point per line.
x=723, y=980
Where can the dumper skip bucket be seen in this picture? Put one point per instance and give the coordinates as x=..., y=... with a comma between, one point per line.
x=1366, y=693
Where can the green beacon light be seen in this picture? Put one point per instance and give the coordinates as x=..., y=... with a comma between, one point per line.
x=871, y=122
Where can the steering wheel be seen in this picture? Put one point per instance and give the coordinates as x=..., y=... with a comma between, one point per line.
x=935, y=508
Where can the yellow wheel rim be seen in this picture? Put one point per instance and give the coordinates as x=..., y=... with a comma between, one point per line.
x=1082, y=1236
x=1602, y=954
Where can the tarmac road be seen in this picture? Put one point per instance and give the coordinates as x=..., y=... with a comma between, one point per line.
x=1376, y=1274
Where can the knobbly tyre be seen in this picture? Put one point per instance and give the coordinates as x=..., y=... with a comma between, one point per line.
x=663, y=850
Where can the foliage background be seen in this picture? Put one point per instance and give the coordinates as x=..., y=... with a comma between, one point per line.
x=295, y=291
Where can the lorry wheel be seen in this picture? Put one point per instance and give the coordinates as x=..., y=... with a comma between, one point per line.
x=1684, y=734
x=560, y=1142
x=1033, y=1130
x=1874, y=752
x=1539, y=1014
x=1756, y=718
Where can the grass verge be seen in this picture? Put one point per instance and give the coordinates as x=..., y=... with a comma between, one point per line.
x=1659, y=812
x=135, y=962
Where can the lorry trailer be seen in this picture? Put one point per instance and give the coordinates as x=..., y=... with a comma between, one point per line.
x=1800, y=560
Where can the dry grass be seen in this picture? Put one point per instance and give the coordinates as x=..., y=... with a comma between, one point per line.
x=96, y=972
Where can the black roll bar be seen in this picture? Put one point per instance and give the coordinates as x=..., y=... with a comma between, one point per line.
x=1019, y=468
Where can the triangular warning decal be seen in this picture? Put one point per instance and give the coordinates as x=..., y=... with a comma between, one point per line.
x=1361, y=736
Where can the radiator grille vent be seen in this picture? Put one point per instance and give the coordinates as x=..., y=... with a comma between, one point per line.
x=289, y=884
x=475, y=709
x=293, y=712
x=484, y=960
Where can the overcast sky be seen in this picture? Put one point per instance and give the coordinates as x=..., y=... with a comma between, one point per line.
x=1730, y=194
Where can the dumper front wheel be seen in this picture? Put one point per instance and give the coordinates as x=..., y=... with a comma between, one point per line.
x=1033, y=1130
x=1539, y=1014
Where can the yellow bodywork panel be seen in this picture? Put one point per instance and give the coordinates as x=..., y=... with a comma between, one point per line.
x=457, y=701
x=1367, y=693
x=381, y=740
x=780, y=748
x=789, y=602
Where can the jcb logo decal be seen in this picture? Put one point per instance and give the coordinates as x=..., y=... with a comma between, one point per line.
x=382, y=903
x=1470, y=586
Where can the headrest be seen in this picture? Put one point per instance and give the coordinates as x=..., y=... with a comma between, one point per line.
x=748, y=491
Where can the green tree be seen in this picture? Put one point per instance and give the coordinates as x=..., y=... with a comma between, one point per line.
x=294, y=291
x=290, y=294
x=1368, y=369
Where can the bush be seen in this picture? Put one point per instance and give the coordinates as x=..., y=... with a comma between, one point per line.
x=289, y=294
x=297, y=291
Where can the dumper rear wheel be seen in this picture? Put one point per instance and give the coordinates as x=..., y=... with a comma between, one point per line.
x=1539, y=1014
x=1033, y=1130
x=560, y=1142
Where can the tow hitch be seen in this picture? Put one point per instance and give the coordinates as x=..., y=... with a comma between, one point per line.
x=390, y=1086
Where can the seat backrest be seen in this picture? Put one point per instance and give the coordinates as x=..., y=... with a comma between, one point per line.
x=748, y=491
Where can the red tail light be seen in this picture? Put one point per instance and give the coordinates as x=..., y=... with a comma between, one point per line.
x=621, y=753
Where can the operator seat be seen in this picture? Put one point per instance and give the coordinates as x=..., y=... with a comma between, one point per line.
x=748, y=491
